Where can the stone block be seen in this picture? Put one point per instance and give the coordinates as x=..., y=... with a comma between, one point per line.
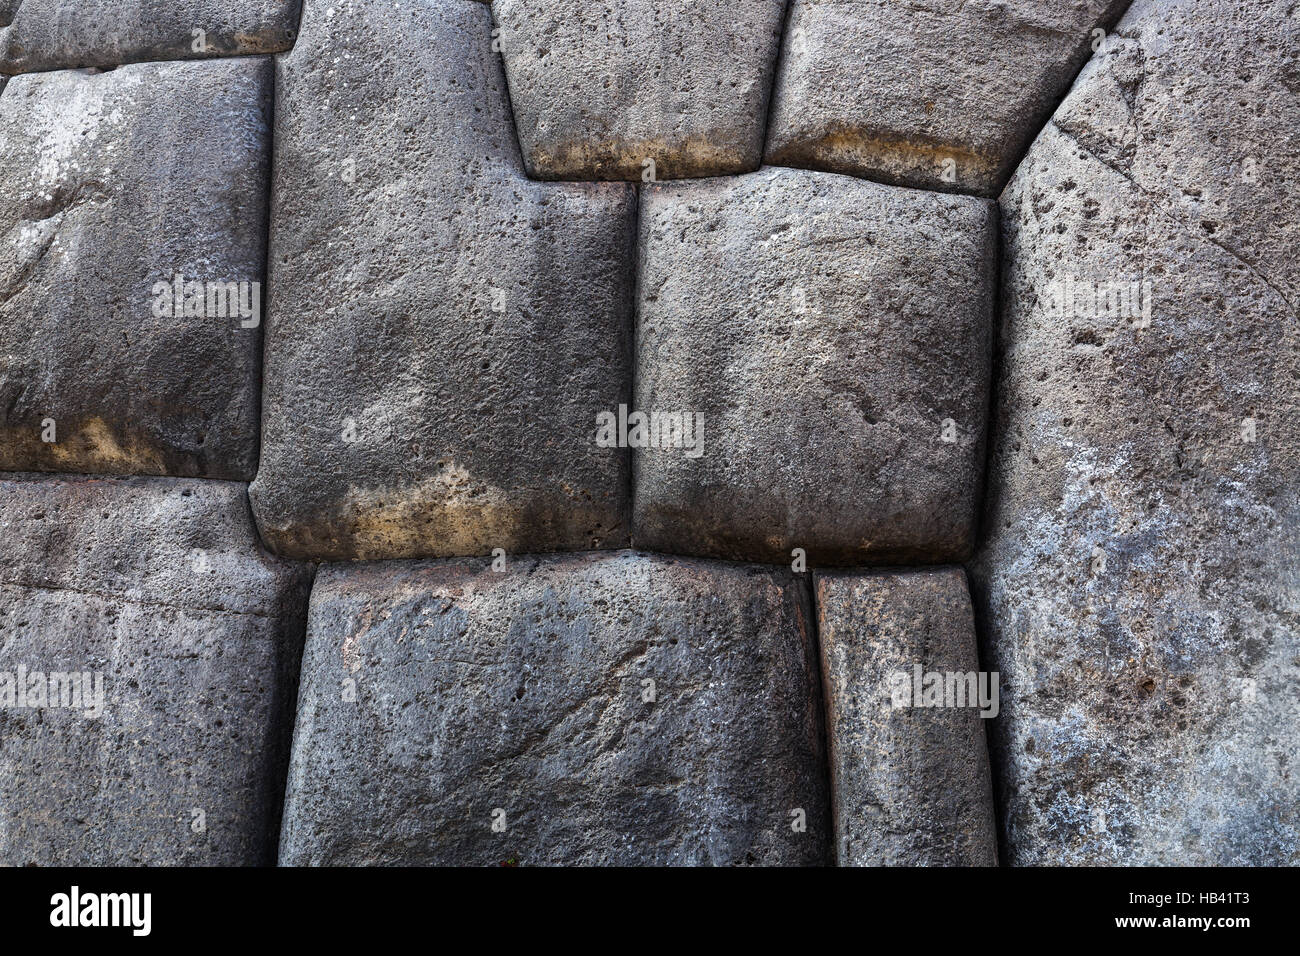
x=831, y=337
x=149, y=656
x=623, y=709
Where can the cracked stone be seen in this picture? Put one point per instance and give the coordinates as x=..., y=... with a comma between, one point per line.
x=599, y=88
x=37, y=35
x=832, y=336
x=159, y=587
x=910, y=784
x=942, y=94
x=1139, y=580
x=622, y=709
x=443, y=331
x=105, y=196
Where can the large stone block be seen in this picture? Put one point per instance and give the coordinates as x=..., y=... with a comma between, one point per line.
x=111, y=186
x=577, y=709
x=40, y=35
x=443, y=332
x=941, y=95
x=600, y=88
x=832, y=336
x=190, y=637
x=905, y=701
x=1139, y=581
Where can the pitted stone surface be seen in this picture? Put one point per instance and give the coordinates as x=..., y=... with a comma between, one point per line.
x=1139, y=583
x=944, y=95
x=910, y=784
x=113, y=183
x=40, y=35
x=830, y=333
x=443, y=332
x=520, y=697
x=161, y=587
x=599, y=88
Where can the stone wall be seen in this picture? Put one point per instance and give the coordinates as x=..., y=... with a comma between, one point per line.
x=589, y=414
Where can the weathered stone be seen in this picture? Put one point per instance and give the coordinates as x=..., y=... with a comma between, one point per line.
x=160, y=587
x=600, y=88
x=941, y=95
x=618, y=709
x=112, y=184
x=442, y=331
x=61, y=34
x=831, y=334
x=909, y=779
x=1139, y=582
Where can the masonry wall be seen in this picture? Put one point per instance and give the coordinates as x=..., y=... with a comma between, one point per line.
x=648, y=432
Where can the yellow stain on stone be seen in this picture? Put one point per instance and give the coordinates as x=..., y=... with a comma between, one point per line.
x=92, y=446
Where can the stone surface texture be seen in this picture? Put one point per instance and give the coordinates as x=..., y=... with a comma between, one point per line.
x=600, y=87
x=114, y=182
x=650, y=378
x=520, y=696
x=442, y=331
x=910, y=785
x=944, y=95
x=37, y=35
x=1139, y=582
x=161, y=587
x=825, y=328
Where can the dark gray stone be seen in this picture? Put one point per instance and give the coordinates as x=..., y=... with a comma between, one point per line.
x=40, y=35
x=160, y=587
x=910, y=784
x=394, y=236
x=826, y=329
x=601, y=86
x=895, y=91
x=109, y=185
x=1139, y=581
x=520, y=696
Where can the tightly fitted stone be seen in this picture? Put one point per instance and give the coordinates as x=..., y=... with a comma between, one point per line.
x=60, y=34
x=189, y=635
x=639, y=89
x=576, y=709
x=112, y=186
x=443, y=332
x=909, y=763
x=829, y=337
x=941, y=95
x=1139, y=580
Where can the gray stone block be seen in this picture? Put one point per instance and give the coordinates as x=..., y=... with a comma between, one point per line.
x=38, y=35
x=598, y=709
x=111, y=186
x=601, y=87
x=909, y=762
x=831, y=334
x=442, y=331
x=1139, y=579
x=941, y=95
x=158, y=590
